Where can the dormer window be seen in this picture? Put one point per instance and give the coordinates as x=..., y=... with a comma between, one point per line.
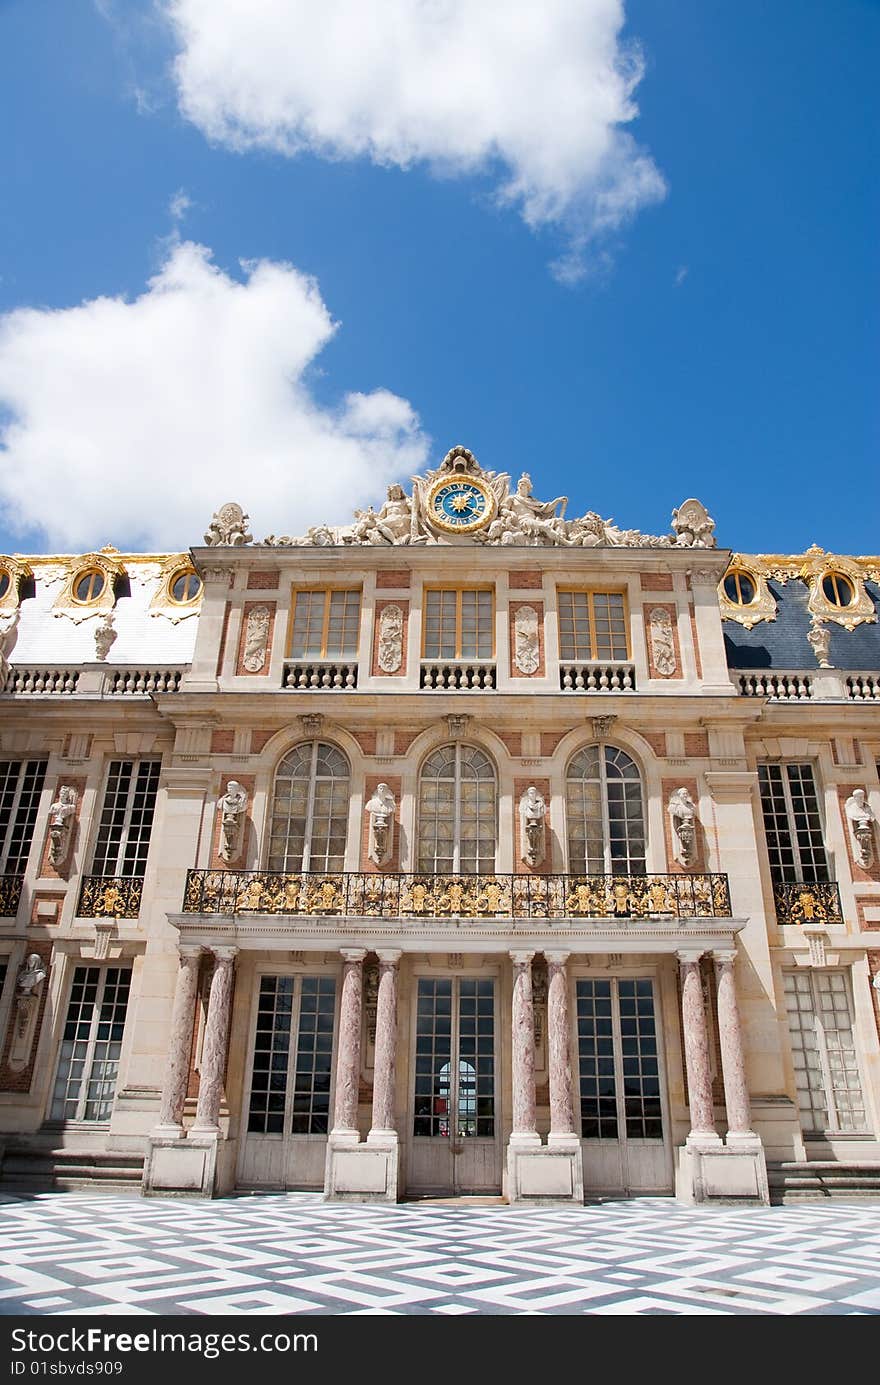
x=88, y=586
x=740, y=587
x=185, y=586
x=837, y=589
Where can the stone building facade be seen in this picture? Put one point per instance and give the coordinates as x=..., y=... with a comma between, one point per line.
x=467, y=848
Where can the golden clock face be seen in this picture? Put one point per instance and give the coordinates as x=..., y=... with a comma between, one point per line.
x=459, y=505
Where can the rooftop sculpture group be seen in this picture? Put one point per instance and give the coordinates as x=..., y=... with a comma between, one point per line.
x=512, y=516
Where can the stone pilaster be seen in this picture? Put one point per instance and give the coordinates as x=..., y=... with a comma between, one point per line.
x=177, y=1072
x=215, y=1042
x=562, y=1128
x=736, y=1092
x=385, y=1063
x=348, y=1058
x=523, y=1055
x=696, y=1052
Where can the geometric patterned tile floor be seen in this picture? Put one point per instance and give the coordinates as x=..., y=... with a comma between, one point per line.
x=292, y=1253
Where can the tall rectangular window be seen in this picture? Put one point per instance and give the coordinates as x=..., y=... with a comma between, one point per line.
x=21, y=783
x=792, y=823
x=126, y=818
x=293, y=1056
x=592, y=625
x=823, y=1050
x=459, y=624
x=88, y=1064
x=325, y=624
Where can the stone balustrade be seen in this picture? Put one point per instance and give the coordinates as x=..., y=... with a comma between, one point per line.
x=320, y=677
x=42, y=680
x=863, y=687
x=779, y=687
x=462, y=677
x=597, y=677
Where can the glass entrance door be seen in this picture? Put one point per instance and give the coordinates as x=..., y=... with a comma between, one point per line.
x=624, y=1126
x=454, y=1145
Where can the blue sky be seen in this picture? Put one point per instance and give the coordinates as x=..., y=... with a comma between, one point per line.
x=721, y=341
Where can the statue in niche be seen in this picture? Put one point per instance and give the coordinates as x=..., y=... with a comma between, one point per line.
x=861, y=819
x=28, y=989
x=380, y=808
x=532, y=815
x=819, y=639
x=232, y=810
x=228, y=528
x=526, y=642
x=683, y=817
x=61, y=815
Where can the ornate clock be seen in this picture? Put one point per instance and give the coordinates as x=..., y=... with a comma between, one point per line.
x=459, y=504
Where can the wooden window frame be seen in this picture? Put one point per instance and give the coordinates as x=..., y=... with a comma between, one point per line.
x=327, y=591
x=458, y=592
x=590, y=593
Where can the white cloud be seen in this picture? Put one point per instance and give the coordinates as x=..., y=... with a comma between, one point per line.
x=130, y=422
x=536, y=92
x=179, y=205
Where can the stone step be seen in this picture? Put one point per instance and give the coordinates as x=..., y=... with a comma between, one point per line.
x=38, y=1167
x=824, y=1178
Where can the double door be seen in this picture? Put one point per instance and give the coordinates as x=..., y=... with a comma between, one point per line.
x=454, y=1140
x=623, y=1116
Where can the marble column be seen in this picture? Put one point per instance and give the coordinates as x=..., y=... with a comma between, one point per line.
x=696, y=1052
x=180, y=1045
x=385, y=1062
x=736, y=1092
x=215, y=1043
x=348, y=1058
x=562, y=1130
x=523, y=1057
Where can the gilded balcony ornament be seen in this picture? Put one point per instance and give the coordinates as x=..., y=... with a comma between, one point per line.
x=10, y=894
x=808, y=902
x=114, y=897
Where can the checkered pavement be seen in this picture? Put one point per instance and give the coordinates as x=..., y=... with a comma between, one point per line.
x=72, y=1253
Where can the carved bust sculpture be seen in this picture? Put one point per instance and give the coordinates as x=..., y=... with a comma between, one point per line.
x=380, y=808
x=32, y=975
x=232, y=808
x=60, y=823
x=532, y=812
x=683, y=816
x=861, y=819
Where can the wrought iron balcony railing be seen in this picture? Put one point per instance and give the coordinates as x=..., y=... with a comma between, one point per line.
x=10, y=894
x=415, y=896
x=110, y=897
x=814, y=901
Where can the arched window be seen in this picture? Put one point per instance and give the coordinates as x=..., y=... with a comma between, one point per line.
x=310, y=809
x=457, y=813
x=606, y=821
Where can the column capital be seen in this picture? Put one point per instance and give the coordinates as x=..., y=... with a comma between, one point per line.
x=189, y=952
x=225, y=954
x=353, y=954
x=521, y=959
x=724, y=955
x=389, y=956
x=557, y=959
x=689, y=954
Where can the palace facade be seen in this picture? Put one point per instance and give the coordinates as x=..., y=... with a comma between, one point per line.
x=468, y=848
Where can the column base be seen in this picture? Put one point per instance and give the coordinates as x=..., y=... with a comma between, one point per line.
x=177, y=1167
x=366, y=1172
x=167, y=1132
x=524, y=1139
x=722, y=1175
x=704, y=1139
x=742, y=1139
x=383, y=1139
x=542, y=1175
